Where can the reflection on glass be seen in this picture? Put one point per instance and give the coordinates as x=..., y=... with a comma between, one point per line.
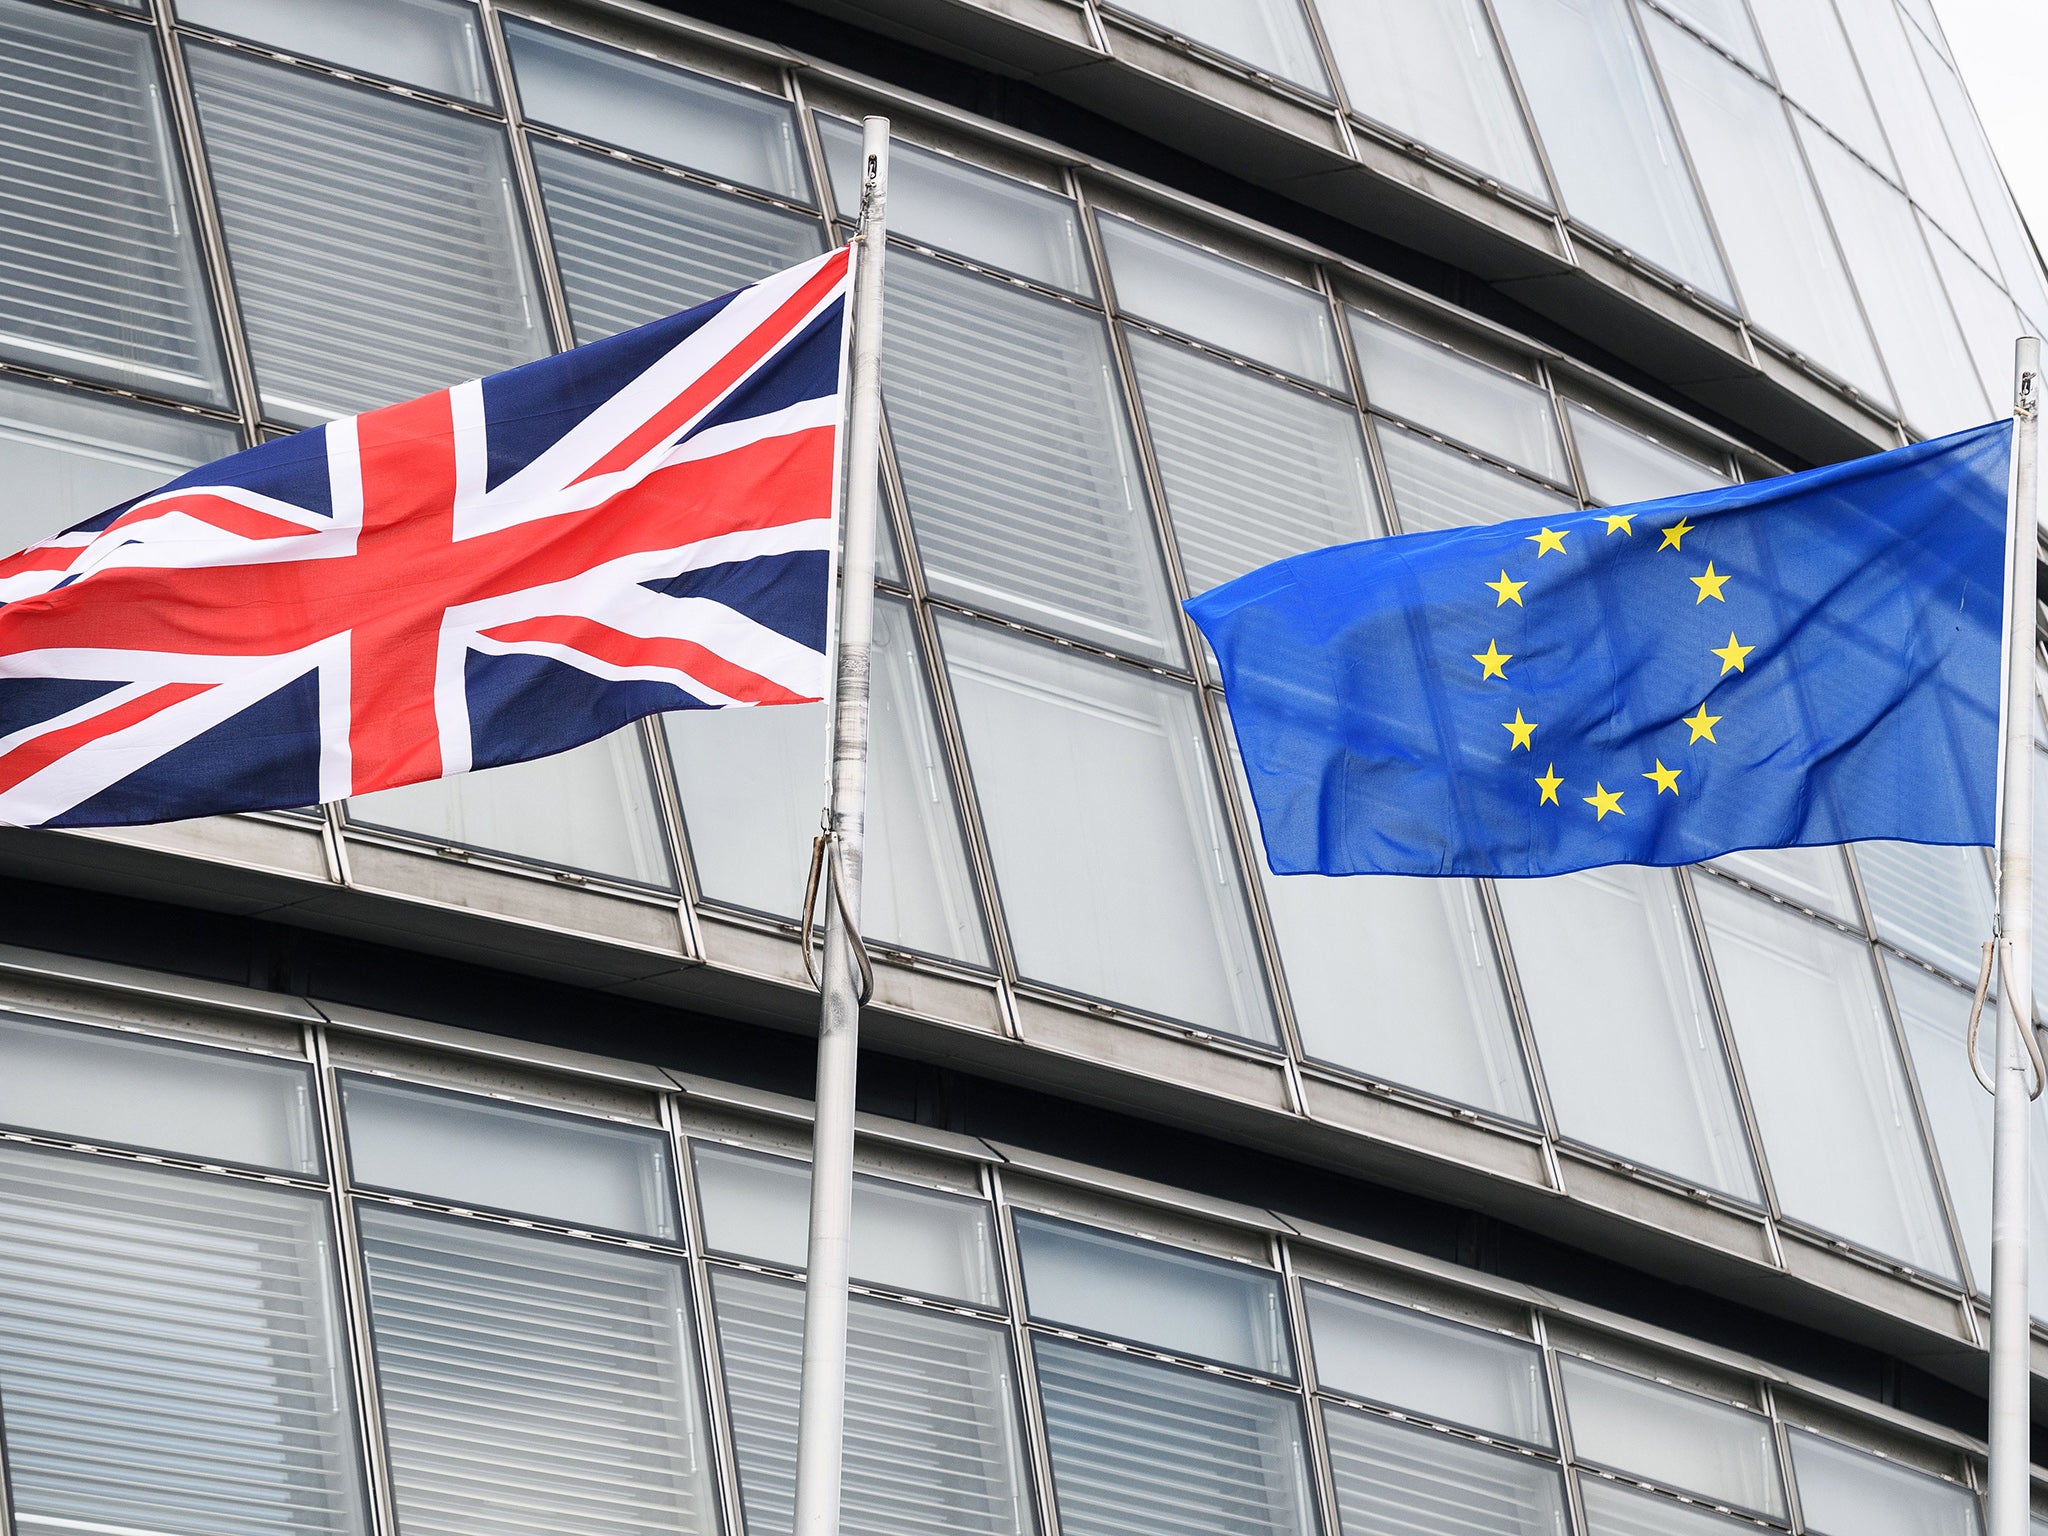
x=1429, y=384
x=1429, y=70
x=374, y=241
x=937, y=200
x=752, y=781
x=1811, y=59
x=1613, y=1509
x=1445, y=1371
x=1616, y=158
x=1622, y=465
x=1824, y=1078
x=98, y=272
x=1440, y=487
x=1110, y=848
x=1216, y=300
x=1271, y=35
x=1771, y=225
x=635, y=245
x=591, y=808
x=1853, y=1493
x=1127, y=1288
x=1684, y=1442
x=1402, y=1477
x=1292, y=476
x=1727, y=23
x=433, y=43
x=65, y=455
x=1815, y=878
x=1017, y=459
x=1614, y=994
x=677, y=115
x=1931, y=901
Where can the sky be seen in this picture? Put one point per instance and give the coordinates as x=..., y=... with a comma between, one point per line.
x=2000, y=46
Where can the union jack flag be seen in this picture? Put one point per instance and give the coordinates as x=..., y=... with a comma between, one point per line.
x=497, y=571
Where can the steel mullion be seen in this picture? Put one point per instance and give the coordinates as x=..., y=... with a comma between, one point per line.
x=1559, y=214
x=1560, y=1420
x=703, y=1324
x=1322, y=1471
x=1037, y=1447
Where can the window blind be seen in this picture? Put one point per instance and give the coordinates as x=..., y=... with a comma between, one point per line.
x=931, y=1416
x=374, y=242
x=97, y=269
x=1439, y=487
x=532, y=1383
x=1935, y=902
x=1138, y=1445
x=1399, y=1480
x=170, y=1356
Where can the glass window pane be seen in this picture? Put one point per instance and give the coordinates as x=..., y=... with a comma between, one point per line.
x=1139, y=1445
x=433, y=43
x=534, y=1383
x=1770, y=222
x=1684, y=1442
x=1110, y=849
x=591, y=808
x=905, y=1238
x=1429, y=70
x=1616, y=159
x=1902, y=295
x=115, y=1427
x=1811, y=59
x=1241, y=310
x=1622, y=465
x=1127, y=1288
x=1852, y=1493
x=1270, y=35
x=1932, y=902
x=506, y=1157
x=98, y=272
x=111, y=1089
x=1613, y=988
x=1439, y=487
x=65, y=455
x=1429, y=384
x=1009, y=428
x=615, y=97
x=943, y=202
x=1816, y=878
x=752, y=781
x=374, y=241
x=1824, y=1078
x=1987, y=317
x=1290, y=477
x=1401, y=1477
x=635, y=245
x=1727, y=23
x=1617, y=1511
x=932, y=1444
x=1419, y=1364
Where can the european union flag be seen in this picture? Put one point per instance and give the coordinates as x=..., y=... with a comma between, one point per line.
x=1809, y=659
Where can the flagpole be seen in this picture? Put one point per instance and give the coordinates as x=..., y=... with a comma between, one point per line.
x=2011, y=1322
x=821, y=1410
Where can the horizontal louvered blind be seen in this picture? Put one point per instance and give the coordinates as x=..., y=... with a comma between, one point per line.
x=533, y=1384
x=1138, y=1445
x=170, y=1362
x=374, y=243
x=931, y=1414
x=1254, y=470
x=1616, y=1511
x=1399, y=1480
x=1017, y=457
x=97, y=269
x=636, y=245
x=1439, y=487
x=1935, y=902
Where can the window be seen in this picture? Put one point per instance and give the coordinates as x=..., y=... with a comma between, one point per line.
x=1727, y=23
x=1614, y=992
x=1269, y=35
x=375, y=243
x=1439, y=487
x=664, y=113
x=434, y=43
x=1110, y=848
x=1614, y=1509
x=1429, y=70
x=1816, y=878
x=1987, y=317
x=1403, y=1477
x=1623, y=465
x=1017, y=460
x=1427, y=383
x=1687, y=1443
x=1852, y=1493
x=1811, y=59
x=1932, y=902
x=98, y=272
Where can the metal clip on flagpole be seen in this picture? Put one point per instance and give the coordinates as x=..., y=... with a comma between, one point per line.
x=821, y=1411
x=2011, y=1323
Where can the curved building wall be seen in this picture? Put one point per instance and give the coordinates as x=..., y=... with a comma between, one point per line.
x=224, y=220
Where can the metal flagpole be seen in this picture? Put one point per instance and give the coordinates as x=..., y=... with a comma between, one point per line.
x=821, y=1413
x=2011, y=1339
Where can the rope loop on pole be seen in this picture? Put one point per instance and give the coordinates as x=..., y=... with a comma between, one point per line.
x=828, y=870
x=2035, y=1061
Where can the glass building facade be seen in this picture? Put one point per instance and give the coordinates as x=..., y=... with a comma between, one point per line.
x=434, y=1162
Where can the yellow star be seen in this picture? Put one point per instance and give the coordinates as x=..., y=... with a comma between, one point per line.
x=1510, y=591
x=1710, y=586
x=1675, y=534
x=1549, y=783
x=1618, y=522
x=1667, y=778
x=1520, y=729
x=1731, y=655
x=1546, y=541
x=1604, y=800
x=1702, y=726
x=1491, y=660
